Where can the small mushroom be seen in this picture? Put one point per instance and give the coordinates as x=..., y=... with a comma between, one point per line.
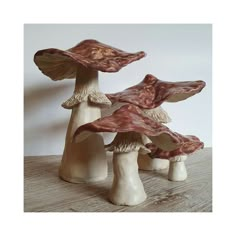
x=130, y=124
x=84, y=161
x=176, y=151
x=149, y=95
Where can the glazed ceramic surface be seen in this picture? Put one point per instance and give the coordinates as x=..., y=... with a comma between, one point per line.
x=152, y=92
x=62, y=64
x=128, y=118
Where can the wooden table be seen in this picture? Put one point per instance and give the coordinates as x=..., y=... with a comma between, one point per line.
x=44, y=191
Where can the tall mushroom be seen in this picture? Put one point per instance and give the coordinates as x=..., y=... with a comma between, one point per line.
x=176, y=151
x=130, y=124
x=84, y=161
x=149, y=94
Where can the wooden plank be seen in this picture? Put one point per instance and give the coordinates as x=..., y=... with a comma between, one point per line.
x=44, y=191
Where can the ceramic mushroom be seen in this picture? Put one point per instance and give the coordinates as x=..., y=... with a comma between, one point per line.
x=130, y=124
x=83, y=161
x=176, y=150
x=149, y=94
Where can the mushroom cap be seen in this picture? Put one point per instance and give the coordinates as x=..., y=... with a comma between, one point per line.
x=152, y=92
x=61, y=64
x=128, y=118
x=172, y=150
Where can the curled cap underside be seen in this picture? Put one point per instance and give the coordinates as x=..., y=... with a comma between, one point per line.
x=163, y=147
x=131, y=121
x=61, y=64
x=152, y=92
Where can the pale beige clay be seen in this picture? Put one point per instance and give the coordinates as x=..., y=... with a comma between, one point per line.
x=127, y=188
x=85, y=160
x=177, y=169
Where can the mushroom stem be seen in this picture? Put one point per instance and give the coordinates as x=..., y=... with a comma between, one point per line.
x=84, y=161
x=86, y=81
x=127, y=188
x=147, y=163
x=177, y=169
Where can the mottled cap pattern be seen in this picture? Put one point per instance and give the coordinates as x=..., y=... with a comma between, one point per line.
x=152, y=92
x=61, y=64
x=128, y=118
x=183, y=145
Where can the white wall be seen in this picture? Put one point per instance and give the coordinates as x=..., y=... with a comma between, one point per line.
x=174, y=53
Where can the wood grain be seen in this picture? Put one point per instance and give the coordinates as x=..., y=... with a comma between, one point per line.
x=44, y=191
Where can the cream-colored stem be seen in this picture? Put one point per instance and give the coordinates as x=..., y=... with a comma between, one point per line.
x=127, y=188
x=147, y=163
x=86, y=80
x=84, y=161
x=177, y=171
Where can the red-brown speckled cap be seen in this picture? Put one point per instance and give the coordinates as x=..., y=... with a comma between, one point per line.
x=152, y=92
x=59, y=64
x=128, y=118
x=183, y=145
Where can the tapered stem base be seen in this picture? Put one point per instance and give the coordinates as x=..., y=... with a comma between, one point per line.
x=85, y=161
x=127, y=188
